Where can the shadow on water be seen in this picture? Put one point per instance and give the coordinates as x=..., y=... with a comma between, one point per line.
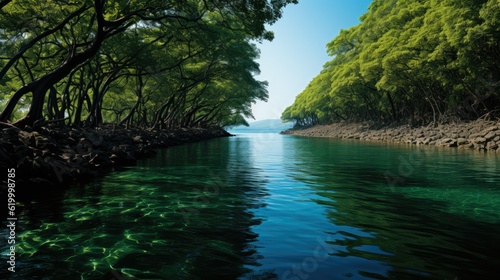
x=186, y=214
x=440, y=221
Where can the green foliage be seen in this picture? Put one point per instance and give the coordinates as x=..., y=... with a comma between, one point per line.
x=416, y=61
x=157, y=64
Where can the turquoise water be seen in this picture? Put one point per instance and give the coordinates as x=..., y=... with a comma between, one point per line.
x=267, y=206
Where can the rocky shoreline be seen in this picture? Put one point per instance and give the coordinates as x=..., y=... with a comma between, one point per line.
x=55, y=156
x=479, y=135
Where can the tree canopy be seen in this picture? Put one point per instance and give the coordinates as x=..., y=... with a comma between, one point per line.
x=154, y=64
x=415, y=61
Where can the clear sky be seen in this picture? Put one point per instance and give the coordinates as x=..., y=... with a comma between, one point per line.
x=298, y=51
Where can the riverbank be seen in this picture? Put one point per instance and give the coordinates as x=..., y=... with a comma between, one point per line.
x=53, y=156
x=479, y=135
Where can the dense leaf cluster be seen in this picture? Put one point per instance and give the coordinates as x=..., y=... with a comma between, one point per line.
x=156, y=64
x=417, y=61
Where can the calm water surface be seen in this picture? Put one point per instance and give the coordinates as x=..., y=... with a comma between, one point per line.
x=266, y=206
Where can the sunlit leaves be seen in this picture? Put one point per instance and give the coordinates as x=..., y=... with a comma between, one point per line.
x=179, y=63
x=409, y=60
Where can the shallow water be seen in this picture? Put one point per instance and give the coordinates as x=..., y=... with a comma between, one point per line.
x=267, y=206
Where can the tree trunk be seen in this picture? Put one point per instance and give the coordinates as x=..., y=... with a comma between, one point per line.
x=40, y=86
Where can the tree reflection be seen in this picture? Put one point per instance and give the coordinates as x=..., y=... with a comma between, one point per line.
x=404, y=236
x=134, y=222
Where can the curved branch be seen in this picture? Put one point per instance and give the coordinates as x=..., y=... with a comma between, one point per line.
x=38, y=38
x=9, y=109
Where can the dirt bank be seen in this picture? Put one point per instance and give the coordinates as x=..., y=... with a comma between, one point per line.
x=480, y=135
x=54, y=156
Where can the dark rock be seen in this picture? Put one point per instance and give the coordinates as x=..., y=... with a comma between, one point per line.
x=58, y=155
x=46, y=143
x=61, y=170
x=67, y=157
x=127, y=160
x=39, y=183
x=144, y=152
x=22, y=151
x=99, y=159
x=80, y=162
x=28, y=138
x=139, y=139
x=75, y=134
x=25, y=163
x=119, y=152
x=40, y=164
x=84, y=146
x=45, y=153
x=10, y=135
x=128, y=148
x=122, y=139
x=5, y=159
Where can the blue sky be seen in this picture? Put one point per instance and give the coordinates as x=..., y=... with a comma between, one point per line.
x=298, y=51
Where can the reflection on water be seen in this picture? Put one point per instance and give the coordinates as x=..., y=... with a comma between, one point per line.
x=266, y=206
x=440, y=220
x=185, y=215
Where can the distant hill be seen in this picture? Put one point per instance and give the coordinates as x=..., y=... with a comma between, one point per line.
x=270, y=125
